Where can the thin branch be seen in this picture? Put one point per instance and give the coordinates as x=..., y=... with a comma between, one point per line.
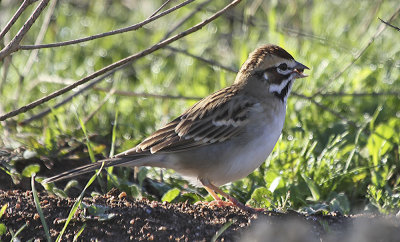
x=14, y=43
x=357, y=94
x=395, y=27
x=180, y=23
x=337, y=114
x=210, y=62
x=101, y=104
x=159, y=9
x=66, y=100
x=120, y=63
x=69, y=98
x=14, y=18
x=361, y=52
x=142, y=94
x=40, y=37
x=97, y=36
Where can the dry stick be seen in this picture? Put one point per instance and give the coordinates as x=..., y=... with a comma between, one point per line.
x=33, y=54
x=97, y=36
x=359, y=94
x=210, y=62
x=131, y=94
x=198, y=8
x=259, y=23
x=395, y=27
x=119, y=63
x=361, y=52
x=232, y=70
x=369, y=18
x=14, y=18
x=69, y=98
x=143, y=94
x=104, y=101
x=47, y=111
x=39, y=38
x=159, y=9
x=14, y=43
x=338, y=115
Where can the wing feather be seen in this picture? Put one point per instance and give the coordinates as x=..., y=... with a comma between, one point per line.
x=216, y=118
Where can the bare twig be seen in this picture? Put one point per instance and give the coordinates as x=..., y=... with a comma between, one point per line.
x=369, y=17
x=357, y=94
x=97, y=36
x=159, y=9
x=14, y=43
x=337, y=114
x=395, y=27
x=180, y=23
x=361, y=52
x=120, y=63
x=39, y=38
x=14, y=18
x=66, y=100
x=104, y=101
x=143, y=94
x=69, y=98
x=210, y=62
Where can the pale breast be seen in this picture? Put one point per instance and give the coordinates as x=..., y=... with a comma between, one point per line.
x=262, y=136
x=236, y=158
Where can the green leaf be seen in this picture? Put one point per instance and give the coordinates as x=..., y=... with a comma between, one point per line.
x=191, y=196
x=3, y=210
x=261, y=197
x=313, y=187
x=60, y=192
x=340, y=203
x=70, y=184
x=170, y=195
x=30, y=170
x=3, y=229
x=135, y=191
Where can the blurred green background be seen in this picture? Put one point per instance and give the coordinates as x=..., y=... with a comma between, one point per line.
x=339, y=150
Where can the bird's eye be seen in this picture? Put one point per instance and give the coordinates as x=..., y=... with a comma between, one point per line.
x=283, y=67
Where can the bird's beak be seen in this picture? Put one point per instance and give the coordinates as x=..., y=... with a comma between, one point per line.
x=298, y=70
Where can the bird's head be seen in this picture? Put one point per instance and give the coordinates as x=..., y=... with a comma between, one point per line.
x=275, y=67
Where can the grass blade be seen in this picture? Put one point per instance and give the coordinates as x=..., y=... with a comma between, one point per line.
x=39, y=209
x=77, y=203
x=79, y=233
x=222, y=229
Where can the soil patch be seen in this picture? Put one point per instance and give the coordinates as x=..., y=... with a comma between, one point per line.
x=114, y=217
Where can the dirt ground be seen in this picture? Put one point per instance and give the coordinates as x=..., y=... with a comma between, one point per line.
x=116, y=217
x=125, y=219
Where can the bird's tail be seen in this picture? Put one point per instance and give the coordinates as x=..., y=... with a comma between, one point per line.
x=123, y=161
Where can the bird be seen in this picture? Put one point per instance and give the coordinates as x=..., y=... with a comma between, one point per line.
x=224, y=136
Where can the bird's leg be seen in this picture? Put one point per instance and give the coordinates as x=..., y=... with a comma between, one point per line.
x=232, y=201
x=213, y=194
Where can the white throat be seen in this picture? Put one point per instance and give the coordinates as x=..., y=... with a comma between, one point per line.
x=283, y=89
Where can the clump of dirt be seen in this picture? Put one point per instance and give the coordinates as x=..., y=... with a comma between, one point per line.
x=115, y=216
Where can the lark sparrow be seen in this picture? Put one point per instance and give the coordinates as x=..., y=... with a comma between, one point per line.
x=225, y=136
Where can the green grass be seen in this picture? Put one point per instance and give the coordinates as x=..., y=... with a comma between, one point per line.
x=322, y=162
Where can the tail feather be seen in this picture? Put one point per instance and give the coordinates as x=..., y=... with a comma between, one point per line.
x=128, y=161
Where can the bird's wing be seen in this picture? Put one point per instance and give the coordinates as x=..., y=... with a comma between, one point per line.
x=213, y=119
